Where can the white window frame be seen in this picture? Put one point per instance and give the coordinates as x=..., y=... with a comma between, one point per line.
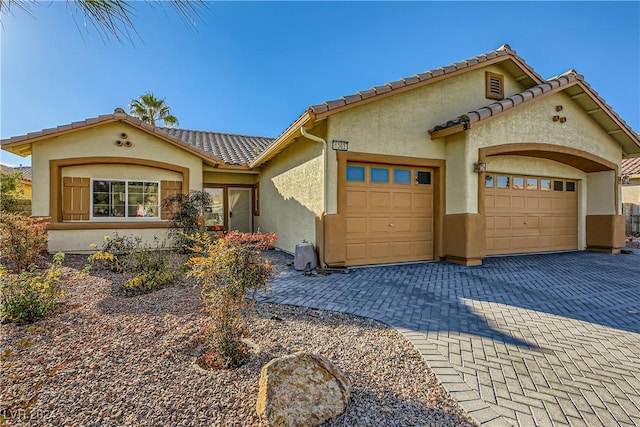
x=126, y=197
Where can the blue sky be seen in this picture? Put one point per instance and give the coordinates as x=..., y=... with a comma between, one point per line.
x=253, y=68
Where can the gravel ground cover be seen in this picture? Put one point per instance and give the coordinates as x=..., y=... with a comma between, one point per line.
x=109, y=360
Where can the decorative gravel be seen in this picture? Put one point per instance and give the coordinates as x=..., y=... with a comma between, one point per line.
x=109, y=360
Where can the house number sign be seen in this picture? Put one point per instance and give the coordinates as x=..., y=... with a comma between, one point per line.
x=340, y=145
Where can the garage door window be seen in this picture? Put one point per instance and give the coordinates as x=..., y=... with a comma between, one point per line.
x=401, y=176
x=532, y=184
x=503, y=182
x=423, y=177
x=518, y=183
x=571, y=186
x=545, y=184
x=355, y=173
x=488, y=181
x=379, y=175
x=558, y=185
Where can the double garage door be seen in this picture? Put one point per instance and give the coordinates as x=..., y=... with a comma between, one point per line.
x=389, y=214
x=530, y=214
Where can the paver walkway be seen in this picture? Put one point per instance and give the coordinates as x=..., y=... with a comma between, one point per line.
x=545, y=340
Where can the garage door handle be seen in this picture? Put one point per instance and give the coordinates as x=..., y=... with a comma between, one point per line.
x=392, y=225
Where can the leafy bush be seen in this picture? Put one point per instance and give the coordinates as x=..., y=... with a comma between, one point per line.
x=22, y=240
x=187, y=210
x=230, y=267
x=11, y=189
x=31, y=295
x=147, y=268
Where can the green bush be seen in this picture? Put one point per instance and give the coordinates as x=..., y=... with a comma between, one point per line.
x=31, y=295
x=22, y=240
x=186, y=216
x=230, y=268
x=146, y=268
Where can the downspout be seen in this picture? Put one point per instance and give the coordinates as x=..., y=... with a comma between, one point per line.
x=315, y=138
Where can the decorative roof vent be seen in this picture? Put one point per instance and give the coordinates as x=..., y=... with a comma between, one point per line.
x=494, y=86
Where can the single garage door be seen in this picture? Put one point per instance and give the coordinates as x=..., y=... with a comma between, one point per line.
x=389, y=214
x=530, y=214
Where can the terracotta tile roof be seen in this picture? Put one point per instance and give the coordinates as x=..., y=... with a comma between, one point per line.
x=504, y=50
x=510, y=102
x=26, y=171
x=231, y=149
x=631, y=166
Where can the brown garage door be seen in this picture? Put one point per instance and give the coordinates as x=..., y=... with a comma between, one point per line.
x=530, y=214
x=389, y=214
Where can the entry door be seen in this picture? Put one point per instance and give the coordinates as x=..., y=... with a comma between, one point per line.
x=240, y=214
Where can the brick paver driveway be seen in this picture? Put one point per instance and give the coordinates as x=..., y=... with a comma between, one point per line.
x=543, y=340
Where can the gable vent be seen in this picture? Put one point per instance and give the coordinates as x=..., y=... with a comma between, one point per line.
x=494, y=86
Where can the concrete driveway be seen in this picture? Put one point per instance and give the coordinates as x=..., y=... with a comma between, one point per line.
x=543, y=340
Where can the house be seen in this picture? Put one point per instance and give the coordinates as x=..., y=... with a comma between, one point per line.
x=25, y=178
x=631, y=194
x=482, y=157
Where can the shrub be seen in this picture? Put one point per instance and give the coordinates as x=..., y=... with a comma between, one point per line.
x=11, y=191
x=146, y=268
x=186, y=212
x=31, y=295
x=22, y=240
x=230, y=267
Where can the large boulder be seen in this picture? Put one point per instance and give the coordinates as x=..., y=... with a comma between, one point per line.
x=301, y=390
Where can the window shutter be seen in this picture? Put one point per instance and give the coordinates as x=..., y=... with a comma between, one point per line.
x=168, y=189
x=75, y=198
x=494, y=86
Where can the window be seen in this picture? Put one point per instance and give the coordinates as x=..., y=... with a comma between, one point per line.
x=488, y=181
x=503, y=182
x=494, y=86
x=558, y=185
x=214, y=215
x=423, y=177
x=355, y=173
x=532, y=184
x=518, y=183
x=125, y=199
x=401, y=176
x=571, y=186
x=545, y=184
x=379, y=175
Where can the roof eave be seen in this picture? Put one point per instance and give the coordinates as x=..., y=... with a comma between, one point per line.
x=282, y=141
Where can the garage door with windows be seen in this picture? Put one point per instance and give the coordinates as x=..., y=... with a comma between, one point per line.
x=527, y=214
x=389, y=214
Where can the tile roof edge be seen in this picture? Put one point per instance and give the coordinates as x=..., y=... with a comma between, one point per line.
x=163, y=128
x=504, y=51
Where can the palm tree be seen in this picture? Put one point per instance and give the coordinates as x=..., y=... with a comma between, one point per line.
x=112, y=17
x=148, y=108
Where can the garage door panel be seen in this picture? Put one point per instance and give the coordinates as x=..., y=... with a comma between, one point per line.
x=530, y=219
x=356, y=225
x=379, y=199
x=388, y=221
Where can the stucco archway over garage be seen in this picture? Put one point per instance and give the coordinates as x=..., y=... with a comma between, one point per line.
x=525, y=210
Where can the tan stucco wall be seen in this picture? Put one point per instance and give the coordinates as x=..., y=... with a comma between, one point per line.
x=100, y=141
x=600, y=197
x=79, y=241
x=398, y=125
x=291, y=194
x=459, y=189
x=121, y=172
x=229, y=178
x=532, y=123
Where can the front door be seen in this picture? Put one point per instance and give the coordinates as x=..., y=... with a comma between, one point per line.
x=240, y=214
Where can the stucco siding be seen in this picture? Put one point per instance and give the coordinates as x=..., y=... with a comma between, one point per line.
x=79, y=241
x=533, y=123
x=398, y=125
x=229, y=178
x=98, y=142
x=631, y=192
x=600, y=194
x=291, y=188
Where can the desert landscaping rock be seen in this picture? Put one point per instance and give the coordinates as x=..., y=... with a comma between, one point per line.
x=110, y=360
x=301, y=390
